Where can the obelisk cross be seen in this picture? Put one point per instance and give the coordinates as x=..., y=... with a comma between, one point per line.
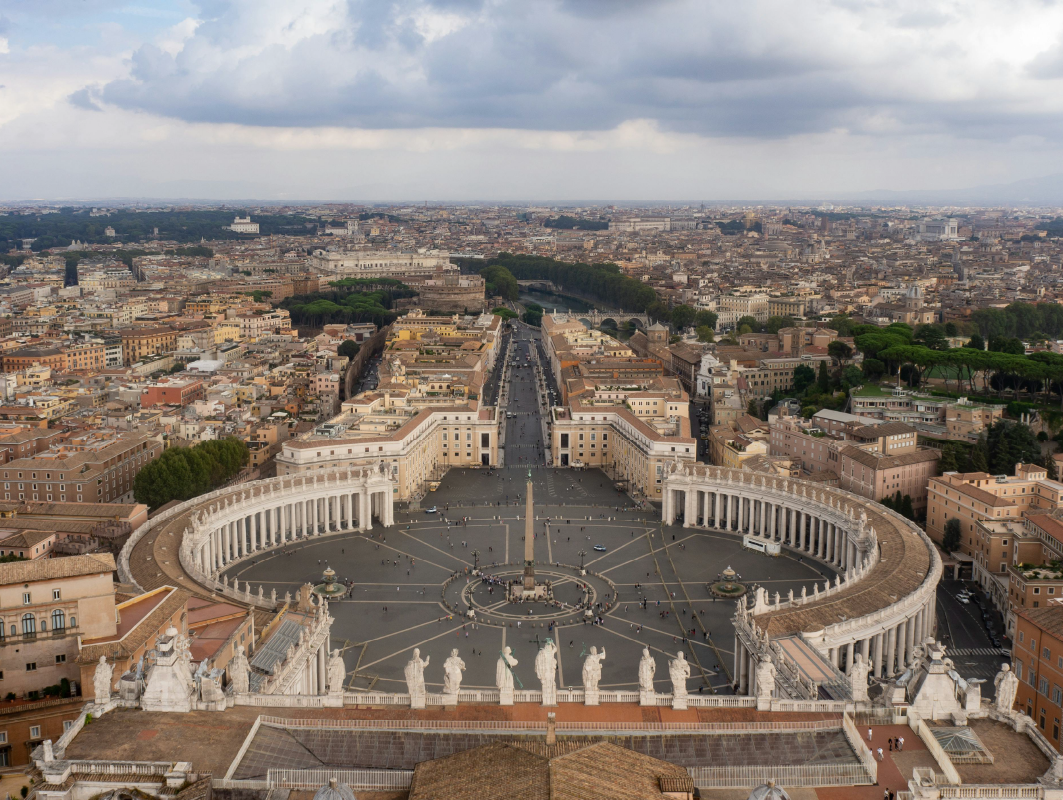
x=529, y=540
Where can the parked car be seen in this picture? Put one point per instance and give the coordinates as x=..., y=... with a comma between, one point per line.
x=600, y=548
x=431, y=510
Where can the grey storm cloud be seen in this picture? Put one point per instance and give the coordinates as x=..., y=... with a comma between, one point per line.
x=758, y=68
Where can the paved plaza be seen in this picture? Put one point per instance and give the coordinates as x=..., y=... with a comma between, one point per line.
x=400, y=598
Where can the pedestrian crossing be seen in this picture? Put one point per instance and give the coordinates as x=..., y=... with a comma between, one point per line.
x=977, y=651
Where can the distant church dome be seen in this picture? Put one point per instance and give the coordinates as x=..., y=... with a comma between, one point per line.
x=915, y=291
x=769, y=791
x=334, y=791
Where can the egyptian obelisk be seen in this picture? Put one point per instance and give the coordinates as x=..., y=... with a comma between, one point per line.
x=529, y=541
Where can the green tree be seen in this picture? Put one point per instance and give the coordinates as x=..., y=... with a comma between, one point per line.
x=504, y=312
x=749, y=321
x=947, y=462
x=823, y=378
x=776, y=324
x=950, y=541
x=744, y=329
x=682, y=317
x=873, y=368
x=706, y=318
x=976, y=342
x=843, y=324
x=752, y=410
x=852, y=376
x=500, y=282
x=533, y=314
x=906, y=510
x=978, y=456
x=931, y=336
x=839, y=351
x=705, y=334
x=804, y=376
x=182, y=473
x=348, y=348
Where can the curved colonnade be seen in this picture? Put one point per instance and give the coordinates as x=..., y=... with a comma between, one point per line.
x=279, y=511
x=881, y=605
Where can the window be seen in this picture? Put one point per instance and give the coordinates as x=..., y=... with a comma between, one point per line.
x=35, y=731
x=55, y=594
x=1057, y=695
x=29, y=623
x=31, y=666
x=25, y=598
x=1045, y=653
x=58, y=620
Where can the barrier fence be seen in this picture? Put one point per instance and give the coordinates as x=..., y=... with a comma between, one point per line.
x=795, y=776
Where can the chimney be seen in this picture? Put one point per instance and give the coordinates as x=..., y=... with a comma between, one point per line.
x=551, y=728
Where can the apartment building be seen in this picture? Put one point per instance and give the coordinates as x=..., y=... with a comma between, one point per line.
x=139, y=343
x=1037, y=658
x=91, y=467
x=45, y=605
x=174, y=391
x=974, y=497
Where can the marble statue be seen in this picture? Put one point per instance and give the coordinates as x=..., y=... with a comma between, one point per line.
x=240, y=672
x=1007, y=685
x=765, y=680
x=504, y=676
x=545, y=671
x=414, y=673
x=858, y=678
x=337, y=671
x=592, y=673
x=679, y=671
x=452, y=669
x=647, y=668
x=101, y=681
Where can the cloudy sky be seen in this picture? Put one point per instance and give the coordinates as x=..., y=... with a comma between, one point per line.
x=551, y=100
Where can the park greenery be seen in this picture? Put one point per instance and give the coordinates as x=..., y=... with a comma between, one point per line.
x=348, y=349
x=182, y=473
x=566, y=222
x=59, y=230
x=324, y=308
x=601, y=283
x=533, y=314
x=505, y=313
x=499, y=282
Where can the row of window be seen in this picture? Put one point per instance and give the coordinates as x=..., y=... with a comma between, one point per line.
x=29, y=623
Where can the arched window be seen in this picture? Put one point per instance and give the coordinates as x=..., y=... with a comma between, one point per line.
x=29, y=623
x=1, y=629
x=73, y=621
x=58, y=620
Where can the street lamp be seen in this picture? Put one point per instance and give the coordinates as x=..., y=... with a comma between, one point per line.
x=476, y=560
x=581, y=554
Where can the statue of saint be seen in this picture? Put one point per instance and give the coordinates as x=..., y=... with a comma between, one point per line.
x=240, y=672
x=592, y=670
x=679, y=671
x=101, y=681
x=858, y=678
x=337, y=671
x=1007, y=685
x=545, y=671
x=765, y=679
x=452, y=669
x=415, y=678
x=504, y=670
x=647, y=669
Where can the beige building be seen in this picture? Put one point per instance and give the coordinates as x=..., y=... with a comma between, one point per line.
x=45, y=606
x=974, y=497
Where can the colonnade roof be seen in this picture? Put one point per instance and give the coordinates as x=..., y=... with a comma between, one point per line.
x=905, y=560
x=903, y=565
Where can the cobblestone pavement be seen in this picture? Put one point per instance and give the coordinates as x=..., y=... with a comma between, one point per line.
x=398, y=574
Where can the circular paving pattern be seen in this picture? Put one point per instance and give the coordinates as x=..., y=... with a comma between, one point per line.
x=574, y=595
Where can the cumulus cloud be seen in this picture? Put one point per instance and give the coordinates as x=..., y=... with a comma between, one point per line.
x=760, y=68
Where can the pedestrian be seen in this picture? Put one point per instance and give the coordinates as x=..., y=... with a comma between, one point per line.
x=880, y=754
x=891, y=744
x=900, y=742
x=869, y=734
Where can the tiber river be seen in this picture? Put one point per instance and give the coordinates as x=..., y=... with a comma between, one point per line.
x=552, y=302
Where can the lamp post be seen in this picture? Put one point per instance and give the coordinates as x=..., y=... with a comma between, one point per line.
x=581, y=554
x=476, y=560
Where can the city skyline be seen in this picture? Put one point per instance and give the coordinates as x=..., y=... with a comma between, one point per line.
x=567, y=102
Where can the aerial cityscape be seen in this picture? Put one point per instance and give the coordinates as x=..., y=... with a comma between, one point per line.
x=369, y=430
